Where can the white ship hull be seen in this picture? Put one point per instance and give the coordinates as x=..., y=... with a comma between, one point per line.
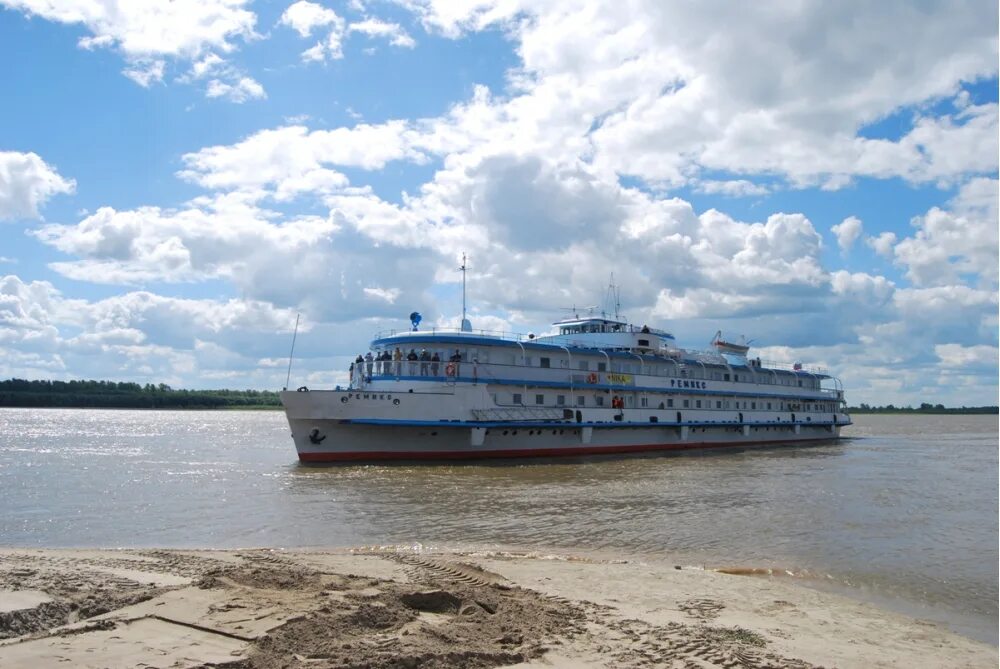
x=329, y=426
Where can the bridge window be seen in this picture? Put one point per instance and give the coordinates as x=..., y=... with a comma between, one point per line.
x=670, y=403
x=543, y=362
x=687, y=404
x=599, y=400
x=584, y=365
x=539, y=399
x=602, y=366
x=516, y=398
x=561, y=400
x=697, y=404
x=643, y=401
x=580, y=400
x=725, y=377
x=718, y=404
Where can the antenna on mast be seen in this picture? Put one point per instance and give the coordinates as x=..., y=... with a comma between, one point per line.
x=466, y=325
x=613, y=297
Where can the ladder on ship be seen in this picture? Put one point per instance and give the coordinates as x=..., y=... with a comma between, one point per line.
x=518, y=414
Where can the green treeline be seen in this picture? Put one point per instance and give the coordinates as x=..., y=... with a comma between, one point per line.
x=923, y=408
x=119, y=395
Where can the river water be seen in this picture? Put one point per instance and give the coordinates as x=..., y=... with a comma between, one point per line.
x=903, y=513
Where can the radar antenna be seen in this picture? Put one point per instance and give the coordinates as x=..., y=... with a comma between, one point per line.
x=575, y=310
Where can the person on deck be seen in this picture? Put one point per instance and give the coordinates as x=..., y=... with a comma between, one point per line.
x=425, y=359
x=397, y=361
x=412, y=357
x=369, y=363
x=435, y=364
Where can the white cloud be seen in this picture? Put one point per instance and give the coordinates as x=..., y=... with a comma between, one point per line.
x=732, y=188
x=304, y=17
x=292, y=159
x=883, y=244
x=145, y=72
x=177, y=28
x=373, y=27
x=135, y=335
x=148, y=34
x=662, y=102
x=956, y=355
x=957, y=241
x=847, y=232
x=26, y=183
x=240, y=91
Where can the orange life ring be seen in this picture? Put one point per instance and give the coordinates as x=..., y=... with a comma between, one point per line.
x=592, y=378
x=449, y=369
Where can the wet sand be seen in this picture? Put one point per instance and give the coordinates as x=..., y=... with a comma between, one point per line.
x=264, y=609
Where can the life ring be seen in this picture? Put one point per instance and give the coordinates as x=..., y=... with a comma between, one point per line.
x=449, y=369
x=592, y=378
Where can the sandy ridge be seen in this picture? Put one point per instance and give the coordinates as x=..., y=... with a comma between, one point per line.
x=264, y=609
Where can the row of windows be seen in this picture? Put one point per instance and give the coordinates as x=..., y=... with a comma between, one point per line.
x=541, y=399
x=672, y=369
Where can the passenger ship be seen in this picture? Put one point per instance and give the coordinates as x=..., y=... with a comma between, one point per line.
x=596, y=385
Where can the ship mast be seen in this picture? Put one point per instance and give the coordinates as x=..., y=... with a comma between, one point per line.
x=466, y=325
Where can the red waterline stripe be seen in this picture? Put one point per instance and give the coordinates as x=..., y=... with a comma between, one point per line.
x=347, y=456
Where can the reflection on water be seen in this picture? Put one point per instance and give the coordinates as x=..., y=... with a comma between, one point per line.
x=906, y=510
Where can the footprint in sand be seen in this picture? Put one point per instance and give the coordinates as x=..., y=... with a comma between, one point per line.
x=703, y=609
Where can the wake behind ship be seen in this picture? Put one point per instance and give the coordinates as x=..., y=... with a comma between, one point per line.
x=596, y=385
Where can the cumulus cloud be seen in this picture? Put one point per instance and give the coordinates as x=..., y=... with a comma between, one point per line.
x=26, y=183
x=393, y=32
x=134, y=335
x=148, y=34
x=143, y=29
x=847, y=232
x=306, y=17
x=955, y=241
x=240, y=91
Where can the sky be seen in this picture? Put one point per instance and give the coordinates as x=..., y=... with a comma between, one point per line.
x=179, y=181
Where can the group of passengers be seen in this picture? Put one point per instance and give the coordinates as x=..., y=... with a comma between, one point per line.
x=389, y=363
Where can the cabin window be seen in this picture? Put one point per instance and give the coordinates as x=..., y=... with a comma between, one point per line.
x=725, y=377
x=630, y=401
x=561, y=400
x=644, y=342
x=584, y=365
x=543, y=362
x=643, y=402
x=753, y=405
x=800, y=383
x=718, y=404
x=516, y=398
x=539, y=399
x=602, y=366
x=670, y=404
x=687, y=404
x=768, y=406
x=580, y=400
x=697, y=404
x=599, y=400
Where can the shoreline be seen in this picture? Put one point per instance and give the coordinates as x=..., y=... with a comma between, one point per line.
x=265, y=608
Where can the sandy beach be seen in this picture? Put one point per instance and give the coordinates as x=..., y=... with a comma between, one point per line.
x=265, y=609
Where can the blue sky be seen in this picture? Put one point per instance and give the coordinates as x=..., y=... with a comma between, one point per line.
x=179, y=180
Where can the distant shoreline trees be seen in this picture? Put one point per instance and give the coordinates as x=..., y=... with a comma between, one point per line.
x=125, y=395
x=924, y=408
